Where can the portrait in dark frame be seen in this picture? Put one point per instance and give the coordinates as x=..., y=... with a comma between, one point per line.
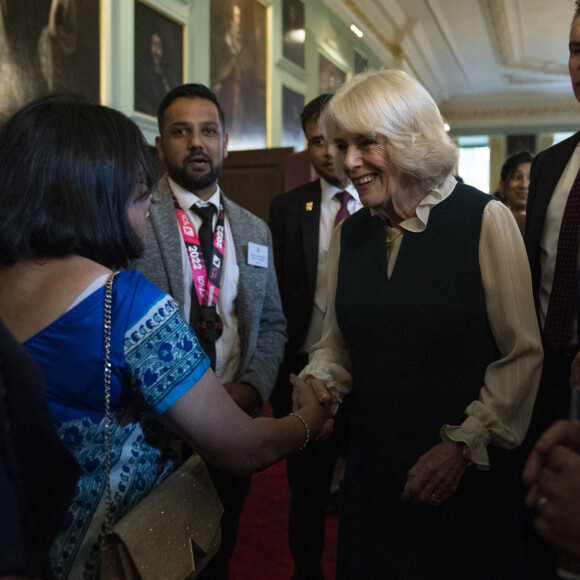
x=48, y=46
x=293, y=32
x=292, y=105
x=330, y=77
x=238, y=69
x=158, y=57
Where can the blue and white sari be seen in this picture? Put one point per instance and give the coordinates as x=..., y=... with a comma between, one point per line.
x=155, y=359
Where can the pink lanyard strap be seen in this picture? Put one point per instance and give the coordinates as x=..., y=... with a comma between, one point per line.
x=207, y=287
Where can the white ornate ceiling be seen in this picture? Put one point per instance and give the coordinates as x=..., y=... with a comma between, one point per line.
x=486, y=62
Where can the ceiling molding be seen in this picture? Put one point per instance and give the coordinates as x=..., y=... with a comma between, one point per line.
x=399, y=35
x=499, y=31
x=501, y=35
x=543, y=66
x=447, y=28
x=515, y=79
x=545, y=112
x=500, y=60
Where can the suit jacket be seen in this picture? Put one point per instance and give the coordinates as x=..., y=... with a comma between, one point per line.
x=295, y=223
x=261, y=323
x=547, y=168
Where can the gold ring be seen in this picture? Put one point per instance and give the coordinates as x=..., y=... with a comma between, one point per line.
x=542, y=501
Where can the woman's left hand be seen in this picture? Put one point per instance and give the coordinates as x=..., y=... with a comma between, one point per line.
x=435, y=477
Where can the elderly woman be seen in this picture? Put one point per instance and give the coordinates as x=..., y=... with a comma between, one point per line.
x=431, y=322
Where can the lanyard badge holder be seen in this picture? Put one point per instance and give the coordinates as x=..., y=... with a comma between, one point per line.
x=206, y=281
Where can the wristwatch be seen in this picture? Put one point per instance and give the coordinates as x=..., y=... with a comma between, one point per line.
x=466, y=452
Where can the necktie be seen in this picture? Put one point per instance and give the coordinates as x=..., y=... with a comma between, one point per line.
x=559, y=318
x=205, y=236
x=343, y=213
x=205, y=233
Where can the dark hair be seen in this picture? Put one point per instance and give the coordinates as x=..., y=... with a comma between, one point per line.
x=576, y=11
x=512, y=162
x=190, y=91
x=68, y=170
x=314, y=109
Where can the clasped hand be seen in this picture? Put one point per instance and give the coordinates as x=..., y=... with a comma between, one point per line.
x=312, y=394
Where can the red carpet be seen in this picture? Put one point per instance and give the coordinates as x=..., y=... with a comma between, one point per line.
x=262, y=548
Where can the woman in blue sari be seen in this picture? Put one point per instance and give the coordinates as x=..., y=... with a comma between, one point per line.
x=74, y=195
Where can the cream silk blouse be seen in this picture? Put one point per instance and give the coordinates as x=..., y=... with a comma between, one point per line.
x=502, y=412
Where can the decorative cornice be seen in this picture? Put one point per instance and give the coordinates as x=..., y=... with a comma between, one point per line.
x=482, y=114
x=499, y=31
x=548, y=67
x=521, y=80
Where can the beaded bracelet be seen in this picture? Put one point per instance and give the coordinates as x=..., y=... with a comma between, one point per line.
x=301, y=419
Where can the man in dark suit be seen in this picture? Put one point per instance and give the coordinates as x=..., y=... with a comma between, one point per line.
x=302, y=221
x=552, y=178
x=232, y=303
x=552, y=232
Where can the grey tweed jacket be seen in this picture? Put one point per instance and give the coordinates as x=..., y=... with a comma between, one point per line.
x=261, y=322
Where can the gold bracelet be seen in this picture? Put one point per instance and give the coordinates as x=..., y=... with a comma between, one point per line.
x=301, y=419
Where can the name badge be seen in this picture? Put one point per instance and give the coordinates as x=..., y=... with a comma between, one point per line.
x=257, y=255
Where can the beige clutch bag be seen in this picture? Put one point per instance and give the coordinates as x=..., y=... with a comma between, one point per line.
x=172, y=534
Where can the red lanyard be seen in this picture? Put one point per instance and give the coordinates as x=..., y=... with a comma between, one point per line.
x=207, y=287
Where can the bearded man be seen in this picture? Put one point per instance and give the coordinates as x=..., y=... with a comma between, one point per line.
x=216, y=259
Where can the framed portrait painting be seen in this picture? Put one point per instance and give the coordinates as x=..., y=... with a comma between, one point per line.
x=158, y=57
x=238, y=63
x=292, y=105
x=330, y=77
x=48, y=46
x=293, y=32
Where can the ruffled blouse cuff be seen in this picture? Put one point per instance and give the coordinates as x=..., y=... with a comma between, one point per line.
x=474, y=436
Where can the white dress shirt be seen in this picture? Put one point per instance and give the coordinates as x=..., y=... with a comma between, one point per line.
x=228, y=351
x=550, y=234
x=329, y=206
x=502, y=412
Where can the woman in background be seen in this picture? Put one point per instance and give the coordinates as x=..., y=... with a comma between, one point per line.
x=74, y=196
x=431, y=323
x=514, y=183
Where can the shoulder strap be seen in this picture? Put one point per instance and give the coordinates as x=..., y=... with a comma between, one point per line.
x=108, y=423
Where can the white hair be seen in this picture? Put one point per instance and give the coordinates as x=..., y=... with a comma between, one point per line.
x=393, y=104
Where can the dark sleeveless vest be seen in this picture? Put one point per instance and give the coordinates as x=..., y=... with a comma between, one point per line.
x=419, y=341
x=420, y=344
